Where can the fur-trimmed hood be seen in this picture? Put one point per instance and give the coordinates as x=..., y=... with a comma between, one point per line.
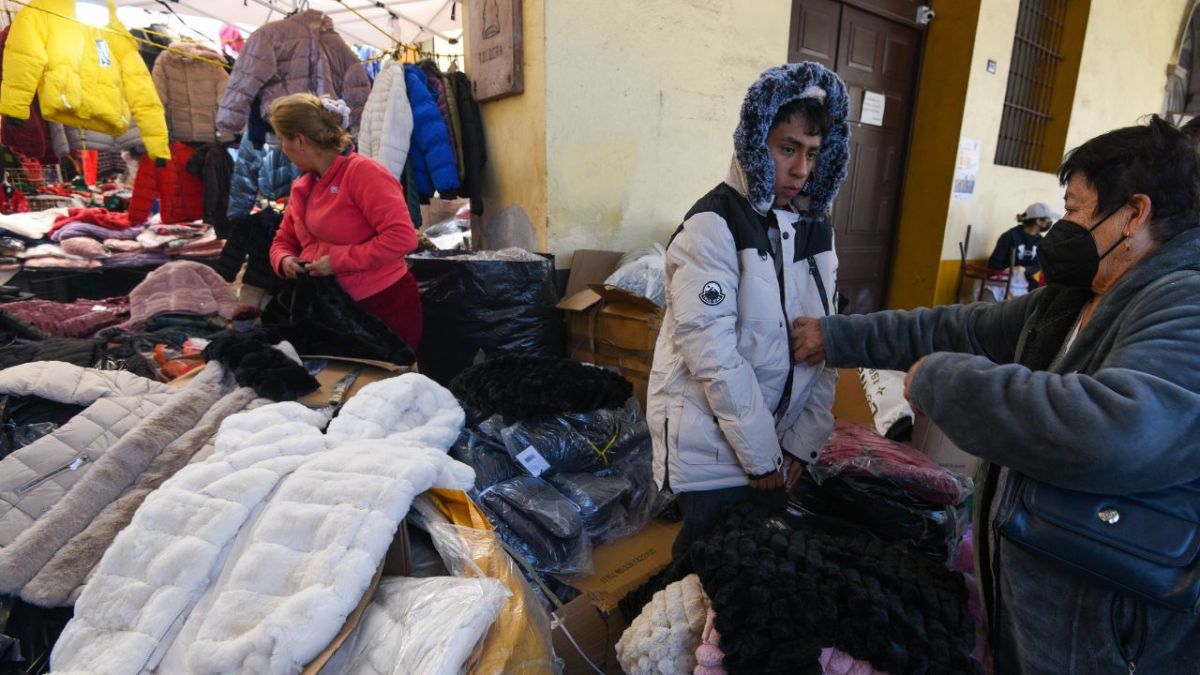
x=753, y=172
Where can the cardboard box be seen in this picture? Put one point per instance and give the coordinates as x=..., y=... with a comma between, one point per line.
x=591, y=624
x=336, y=368
x=929, y=439
x=606, y=325
x=850, y=399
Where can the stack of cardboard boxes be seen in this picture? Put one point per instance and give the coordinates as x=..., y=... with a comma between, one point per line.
x=606, y=325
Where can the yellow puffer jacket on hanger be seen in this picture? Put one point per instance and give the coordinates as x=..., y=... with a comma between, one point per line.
x=84, y=76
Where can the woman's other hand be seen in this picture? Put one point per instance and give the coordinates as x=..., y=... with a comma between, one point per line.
x=321, y=267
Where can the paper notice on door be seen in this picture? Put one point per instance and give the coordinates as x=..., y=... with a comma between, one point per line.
x=872, y=109
x=966, y=169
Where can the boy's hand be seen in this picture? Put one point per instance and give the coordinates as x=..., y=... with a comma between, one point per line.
x=792, y=468
x=771, y=481
x=808, y=344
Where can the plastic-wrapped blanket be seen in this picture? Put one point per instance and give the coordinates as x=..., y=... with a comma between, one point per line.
x=857, y=450
x=428, y=626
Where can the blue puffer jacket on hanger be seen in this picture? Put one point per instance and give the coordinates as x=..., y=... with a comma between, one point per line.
x=267, y=172
x=432, y=155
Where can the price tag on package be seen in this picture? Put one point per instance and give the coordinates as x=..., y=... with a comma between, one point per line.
x=533, y=461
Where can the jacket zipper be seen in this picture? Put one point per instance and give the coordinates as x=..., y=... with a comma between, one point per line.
x=667, y=453
x=786, y=397
x=73, y=465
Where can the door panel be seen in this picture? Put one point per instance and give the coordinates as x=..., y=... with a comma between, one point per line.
x=875, y=54
x=814, y=34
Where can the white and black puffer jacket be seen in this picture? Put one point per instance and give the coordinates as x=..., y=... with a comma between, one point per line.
x=725, y=397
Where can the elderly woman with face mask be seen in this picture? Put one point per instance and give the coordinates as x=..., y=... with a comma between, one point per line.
x=1083, y=397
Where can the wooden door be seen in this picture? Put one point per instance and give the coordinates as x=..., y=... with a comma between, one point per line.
x=874, y=52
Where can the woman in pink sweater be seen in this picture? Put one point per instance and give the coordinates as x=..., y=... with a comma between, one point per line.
x=346, y=216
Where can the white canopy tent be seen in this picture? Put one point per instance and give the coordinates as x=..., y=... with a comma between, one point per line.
x=366, y=22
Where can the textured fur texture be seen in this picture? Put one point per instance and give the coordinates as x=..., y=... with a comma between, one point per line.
x=781, y=595
x=272, y=539
x=59, y=580
x=520, y=387
x=774, y=88
x=112, y=474
x=664, y=637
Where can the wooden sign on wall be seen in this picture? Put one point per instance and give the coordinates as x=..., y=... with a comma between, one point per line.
x=495, y=44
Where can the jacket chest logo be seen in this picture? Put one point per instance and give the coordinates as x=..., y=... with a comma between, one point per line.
x=712, y=294
x=103, y=53
x=333, y=189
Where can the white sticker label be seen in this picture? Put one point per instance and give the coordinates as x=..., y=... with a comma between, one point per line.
x=533, y=461
x=103, y=53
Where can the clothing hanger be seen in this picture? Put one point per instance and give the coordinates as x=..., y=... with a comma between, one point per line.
x=453, y=65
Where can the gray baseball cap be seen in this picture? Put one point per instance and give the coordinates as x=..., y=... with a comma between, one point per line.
x=1039, y=210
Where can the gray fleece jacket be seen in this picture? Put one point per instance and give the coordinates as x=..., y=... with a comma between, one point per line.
x=1117, y=413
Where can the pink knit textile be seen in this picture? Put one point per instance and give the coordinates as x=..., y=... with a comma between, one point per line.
x=837, y=662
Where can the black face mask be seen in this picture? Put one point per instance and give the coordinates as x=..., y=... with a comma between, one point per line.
x=1068, y=253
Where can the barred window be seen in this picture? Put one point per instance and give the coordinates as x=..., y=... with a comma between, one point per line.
x=1037, y=54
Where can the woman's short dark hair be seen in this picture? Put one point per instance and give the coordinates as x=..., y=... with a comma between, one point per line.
x=812, y=109
x=1154, y=159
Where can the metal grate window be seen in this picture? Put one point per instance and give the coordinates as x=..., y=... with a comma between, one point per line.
x=1036, y=56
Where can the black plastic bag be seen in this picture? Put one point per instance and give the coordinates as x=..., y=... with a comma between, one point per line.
x=319, y=318
x=491, y=306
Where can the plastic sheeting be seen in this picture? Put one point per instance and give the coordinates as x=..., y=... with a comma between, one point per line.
x=427, y=626
x=555, y=484
x=481, y=309
x=643, y=273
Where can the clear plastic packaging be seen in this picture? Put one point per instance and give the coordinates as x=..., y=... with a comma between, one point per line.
x=510, y=254
x=540, y=524
x=556, y=484
x=24, y=434
x=428, y=625
x=519, y=642
x=576, y=442
x=644, y=273
x=483, y=449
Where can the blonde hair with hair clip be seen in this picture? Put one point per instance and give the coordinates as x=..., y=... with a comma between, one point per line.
x=306, y=114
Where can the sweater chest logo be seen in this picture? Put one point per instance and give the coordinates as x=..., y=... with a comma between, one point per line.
x=712, y=294
x=103, y=53
x=333, y=189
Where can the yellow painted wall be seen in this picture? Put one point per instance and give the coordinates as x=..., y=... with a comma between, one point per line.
x=1122, y=75
x=641, y=104
x=515, y=128
x=941, y=91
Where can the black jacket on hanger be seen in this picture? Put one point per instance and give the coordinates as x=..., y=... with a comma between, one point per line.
x=474, y=146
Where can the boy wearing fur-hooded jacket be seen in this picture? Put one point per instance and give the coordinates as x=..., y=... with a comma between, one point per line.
x=731, y=415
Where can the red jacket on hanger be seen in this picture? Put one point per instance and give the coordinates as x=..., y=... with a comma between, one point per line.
x=180, y=194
